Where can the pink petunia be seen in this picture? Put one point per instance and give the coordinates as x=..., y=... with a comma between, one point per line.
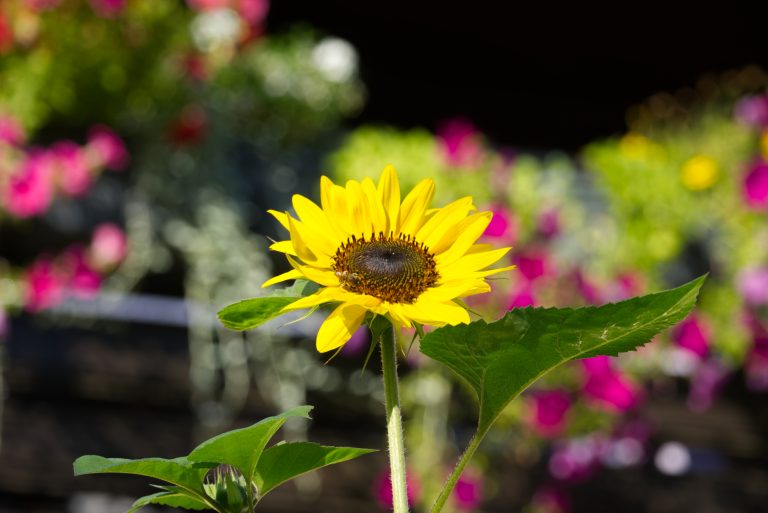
x=522, y=297
x=254, y=12
x=752, y=284
x=109, y=246
x=29, y=191
x=43, y=285
x=706, y=382
x=11, y=131
x=468, y=493
x=107, y=148
x=755, y=186
x=607, y=386
x=693, y=335
x=460, y=143
x=533, y=264
x=74, y=175
x=549, y=412
x=577, y=459
x=501, y=223
x=753, y=111
x=548, y=223
x=82, y=280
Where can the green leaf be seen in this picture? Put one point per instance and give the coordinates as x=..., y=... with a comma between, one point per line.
x=283, y=462
x=179, y=471
x=251, y=313
x=176, y=498
x=242, y=448
x=501, y=359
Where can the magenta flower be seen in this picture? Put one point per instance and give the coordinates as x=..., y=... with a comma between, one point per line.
x=107, y=148
x=501, y=225
x=756, y=365
x=706, y=383
x=522, y=297
x=254, y=12
x=383, y=489
x=549, y=412
x=358, y=343
x=460, y=143
x=577, y=459
x=753, y=111
x=29, y=190
x=108, y=8
x=607, y=386
x=205, y=5
x=468, y=493
x=82, y=280
x=533, y=264
x=752, y=283
x=755, y=187
x=109, y=246
x=693, y=335
x=74, y=175
x=43, y=285
x=549, y=223
x=588, y=289
x=11, y=131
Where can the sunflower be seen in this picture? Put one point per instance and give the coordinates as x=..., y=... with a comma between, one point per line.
x=370, y=252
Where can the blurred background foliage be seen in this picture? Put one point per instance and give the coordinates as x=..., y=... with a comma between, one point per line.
x=141, y=142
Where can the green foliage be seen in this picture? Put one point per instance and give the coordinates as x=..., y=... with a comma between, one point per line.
x=251, y=313
x=229, y=473
x=501, y=359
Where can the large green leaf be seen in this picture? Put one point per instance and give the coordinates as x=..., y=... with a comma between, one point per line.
x=179, y=471
x=251, y=313
x=283, y=462
x=501, y=359
x=173, y=498
x=242, y=448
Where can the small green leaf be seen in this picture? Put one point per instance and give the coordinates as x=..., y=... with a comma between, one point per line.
x=501, y=359
x=179, y=471
x=283, y=462
x=242, y=448
x=251, y=313
x=176, y=499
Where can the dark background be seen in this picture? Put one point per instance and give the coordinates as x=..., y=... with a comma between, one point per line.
x=536, y=76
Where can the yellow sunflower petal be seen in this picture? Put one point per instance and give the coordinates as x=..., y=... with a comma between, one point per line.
x=414, y=205
x=444, y=221
x=290, y=275
x=375, y=208
x=325, y=277
x=310, y=246
x=317, y=222
x=397, y=316
x=358, y=209
x=436, y=313
x=468, y=232
x=281, y=217
x=389, y=196
x=333, y=199
x=457, y=288
x=339, y=327
x=470, y=263
x=283, y=246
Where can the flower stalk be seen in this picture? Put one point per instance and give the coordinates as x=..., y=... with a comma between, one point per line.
x=395, y=439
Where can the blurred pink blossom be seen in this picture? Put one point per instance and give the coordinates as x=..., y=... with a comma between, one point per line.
x=549, y=223
x=693, y=335
x=549, y=412
x=522, y=297
x=752, y=283
x=755, y=185
x=41, y=5
x=43, y=285
x=549, y=499
x=468, y=493
x=74, y=176
x=383, y=489
x=577, y=459
x=752, y=111
x=607, y=386
x=109, y=245
x=107, y=148
x=502, y=223
x=82, y=280
x=756, y=365
x=253, y=12
x=460, y=143
x=29, y=190
x=533, y=264
x=11, y=131
x=205, y=5
x=588, y=289
x=358, y=343
x=706, y=382
x=108, y=8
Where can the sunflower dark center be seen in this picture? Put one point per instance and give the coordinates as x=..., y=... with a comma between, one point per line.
x=397, y=270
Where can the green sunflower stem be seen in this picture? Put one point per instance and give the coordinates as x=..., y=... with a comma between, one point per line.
x=394, y=422
x=450, y=484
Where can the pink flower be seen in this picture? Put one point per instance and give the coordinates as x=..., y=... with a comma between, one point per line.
x=752, y=283
x=549, y=223
x=550, y=408
x=588, y=289
x=358, y=343
x=468, y=493
x=501, y=223
x=756, y=365
x=706, y=382
x=82, y=280
x=693, y=335
x=109, y=246
x=753, y=111
x=74, y=175
x=383, y=489
x=43, y=286
x=11, y=131
x=108, y=8
x=577, y=459
x=533, y=264
x=606, y=386
x=548, y=499
x=41, y=5
x=29, y=190
x=522, y=297
x=460, y=143
x=205, y=5
x=107, y=148
x=253, y=12
x=755, y=187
